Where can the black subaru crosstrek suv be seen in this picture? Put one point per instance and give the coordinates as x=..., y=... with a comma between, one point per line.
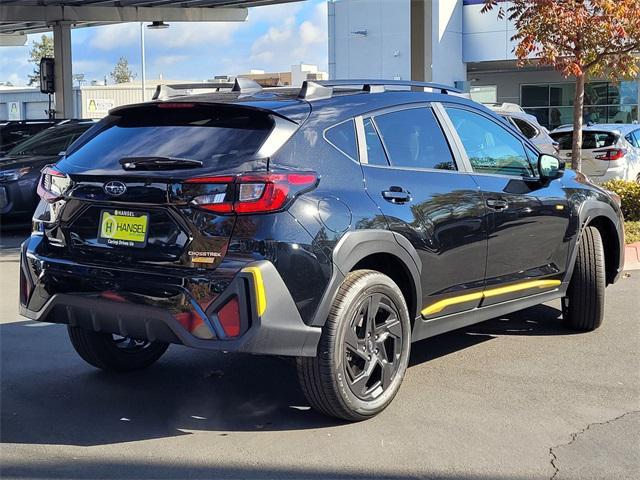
x=336, y=224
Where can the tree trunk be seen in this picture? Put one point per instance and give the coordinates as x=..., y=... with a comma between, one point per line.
x=578, y=104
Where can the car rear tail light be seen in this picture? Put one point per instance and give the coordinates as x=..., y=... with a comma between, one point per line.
x=610, y=154
x=53, y=183
x=252, y=193
x=229, y=316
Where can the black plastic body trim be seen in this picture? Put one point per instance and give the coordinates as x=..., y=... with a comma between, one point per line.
x=279, y=331
x=358, y=244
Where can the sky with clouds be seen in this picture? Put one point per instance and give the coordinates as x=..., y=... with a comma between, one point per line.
x=272, y=39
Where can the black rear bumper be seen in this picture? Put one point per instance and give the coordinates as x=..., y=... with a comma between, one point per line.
x=270, y=319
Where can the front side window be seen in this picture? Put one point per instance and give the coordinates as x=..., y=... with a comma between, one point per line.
x=413, y=138
x=490, y=147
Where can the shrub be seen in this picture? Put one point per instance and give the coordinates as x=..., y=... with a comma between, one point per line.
x=632, y=232
x=629, y=193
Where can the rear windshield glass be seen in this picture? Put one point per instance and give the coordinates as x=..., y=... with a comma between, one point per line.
x=210, y=134
x=590, y=140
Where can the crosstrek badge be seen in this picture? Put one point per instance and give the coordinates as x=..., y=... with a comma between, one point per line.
x=123, y=228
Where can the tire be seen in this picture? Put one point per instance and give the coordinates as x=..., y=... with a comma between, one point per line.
x=583, y=307
x=356, y=386
x=113, y=353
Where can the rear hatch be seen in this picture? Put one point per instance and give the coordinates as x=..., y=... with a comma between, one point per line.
x=151, y=182
x=598, y=149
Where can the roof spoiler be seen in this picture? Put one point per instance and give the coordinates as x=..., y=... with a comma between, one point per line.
x=240, y=85
x=322, y=89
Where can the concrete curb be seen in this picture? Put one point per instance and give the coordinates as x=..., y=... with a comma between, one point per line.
x=632, y=256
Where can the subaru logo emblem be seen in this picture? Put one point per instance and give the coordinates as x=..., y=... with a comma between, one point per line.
x=115, y=188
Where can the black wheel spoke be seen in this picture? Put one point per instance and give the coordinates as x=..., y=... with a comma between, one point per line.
x=372, y=310
x=388, y=370
x=359, y=383
x=393, y=327
x=352, y=341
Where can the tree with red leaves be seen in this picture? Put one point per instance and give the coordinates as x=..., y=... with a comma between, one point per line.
x=580, y=39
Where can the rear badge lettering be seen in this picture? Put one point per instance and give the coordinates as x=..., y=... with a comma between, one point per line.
x=204, y=257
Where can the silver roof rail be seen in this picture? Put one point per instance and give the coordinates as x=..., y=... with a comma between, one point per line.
x=241, y=85
x=320, y=89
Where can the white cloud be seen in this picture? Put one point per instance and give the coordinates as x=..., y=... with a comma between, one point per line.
x=287, y=43
x=194, y=34
x=110, y=37
x=168, y=60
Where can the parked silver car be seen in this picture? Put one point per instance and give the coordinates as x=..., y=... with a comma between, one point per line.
x=609, y=151
x=527, y=124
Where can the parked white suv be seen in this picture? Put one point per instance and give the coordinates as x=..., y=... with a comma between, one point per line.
x=609, y=151
x=527, y=124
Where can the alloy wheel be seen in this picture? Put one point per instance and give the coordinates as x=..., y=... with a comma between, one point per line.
x=372, y=347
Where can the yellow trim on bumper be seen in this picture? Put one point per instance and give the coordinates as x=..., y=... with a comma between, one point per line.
x=494, y=292
x=258, y=285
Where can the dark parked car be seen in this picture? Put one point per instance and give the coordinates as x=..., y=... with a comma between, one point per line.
x=13, y=132
x=20, y=167
x=336, y=224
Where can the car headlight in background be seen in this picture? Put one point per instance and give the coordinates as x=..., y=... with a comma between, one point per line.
x=12, y=175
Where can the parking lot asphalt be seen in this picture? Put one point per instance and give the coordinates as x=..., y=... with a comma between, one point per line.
x=518, y=397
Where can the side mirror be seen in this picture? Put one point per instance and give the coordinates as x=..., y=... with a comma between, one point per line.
x=549, y=167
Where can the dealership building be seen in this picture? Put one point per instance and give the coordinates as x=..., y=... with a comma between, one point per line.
x=452, y=42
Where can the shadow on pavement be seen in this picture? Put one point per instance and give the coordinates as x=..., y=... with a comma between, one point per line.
x=83, y=469
x=50, y=396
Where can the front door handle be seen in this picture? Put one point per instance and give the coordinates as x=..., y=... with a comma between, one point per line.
x=496, y=204
x=396, y=195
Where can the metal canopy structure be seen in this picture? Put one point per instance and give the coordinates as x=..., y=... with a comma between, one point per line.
x=21, y=17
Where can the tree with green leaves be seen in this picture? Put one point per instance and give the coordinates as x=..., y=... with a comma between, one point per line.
x=39, y=50
x=121, y=72
x=579, y=38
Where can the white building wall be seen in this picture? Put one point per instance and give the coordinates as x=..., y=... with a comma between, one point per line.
x=370, y=39
x=485, y=36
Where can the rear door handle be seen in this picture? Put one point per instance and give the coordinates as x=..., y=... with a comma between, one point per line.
x=496, y=204
x=396, y=195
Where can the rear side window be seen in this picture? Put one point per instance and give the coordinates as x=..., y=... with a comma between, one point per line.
x=375, y=150
x=413, y=138
x=634, y=138
x=525, y=127
x=590, y=140
x=50, y=142
x=212, y=134
x=343, y=137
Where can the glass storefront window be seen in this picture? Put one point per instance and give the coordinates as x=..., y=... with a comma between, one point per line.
x=484, y=94
x=561, y=94
x=605, y=102
x=541, y=114
x=622, y=114
x=535, y=95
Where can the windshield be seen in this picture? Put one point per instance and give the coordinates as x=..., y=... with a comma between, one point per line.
x=210, y=134
x=49, y=142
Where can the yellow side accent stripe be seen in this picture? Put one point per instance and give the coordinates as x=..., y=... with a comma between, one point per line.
x=258, y=285
x=494, y=292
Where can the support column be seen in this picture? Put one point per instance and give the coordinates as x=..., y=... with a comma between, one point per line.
x=421, y=40
x=63, y=76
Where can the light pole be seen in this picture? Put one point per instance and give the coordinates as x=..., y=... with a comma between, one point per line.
x=155, y=25
x=144, y=67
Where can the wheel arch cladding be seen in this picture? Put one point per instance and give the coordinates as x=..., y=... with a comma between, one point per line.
x=610, y=244
x=381, y=250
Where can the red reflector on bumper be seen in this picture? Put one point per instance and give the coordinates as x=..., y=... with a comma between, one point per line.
x=229, y=316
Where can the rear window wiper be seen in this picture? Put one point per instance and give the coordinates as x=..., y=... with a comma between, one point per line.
x=158, y=163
